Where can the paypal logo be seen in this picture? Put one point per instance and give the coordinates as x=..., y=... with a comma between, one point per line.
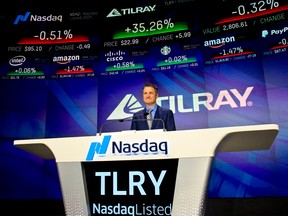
x=98, y=148
x=264, y=33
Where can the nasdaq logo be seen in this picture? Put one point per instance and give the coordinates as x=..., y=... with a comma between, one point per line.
x=98, y=148
x=37, y=18
x=22, y=18
x=146, y=147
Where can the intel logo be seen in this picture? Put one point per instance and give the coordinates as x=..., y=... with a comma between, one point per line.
x=17, y=60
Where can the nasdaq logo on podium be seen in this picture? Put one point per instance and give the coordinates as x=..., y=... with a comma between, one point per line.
x=121, y=147
x=97, y=147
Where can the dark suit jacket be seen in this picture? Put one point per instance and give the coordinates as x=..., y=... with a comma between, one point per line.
x=139, y=120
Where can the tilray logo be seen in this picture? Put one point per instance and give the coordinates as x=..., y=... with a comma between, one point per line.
x=231, y=97
x=37, y=18
x=126, y=108
x=129, y=11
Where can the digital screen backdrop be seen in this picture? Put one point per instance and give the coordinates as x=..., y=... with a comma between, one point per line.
x=69, y=71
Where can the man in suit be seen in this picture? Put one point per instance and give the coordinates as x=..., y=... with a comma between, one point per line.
x=162, y=118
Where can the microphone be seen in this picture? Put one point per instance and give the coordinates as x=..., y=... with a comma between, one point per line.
x=145, y=114
x=122, y=120
x=163, y=123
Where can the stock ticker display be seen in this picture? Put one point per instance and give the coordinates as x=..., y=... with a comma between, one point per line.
x=131, y=37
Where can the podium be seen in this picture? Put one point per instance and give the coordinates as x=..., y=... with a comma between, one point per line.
x=151, y=172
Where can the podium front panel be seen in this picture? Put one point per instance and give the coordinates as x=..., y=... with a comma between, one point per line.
x=145, y=187
x=73, y=188
x=166, y=172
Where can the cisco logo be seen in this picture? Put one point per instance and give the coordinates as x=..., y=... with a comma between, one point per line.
x=114, y=56
x=17, y=60
x=145, y=147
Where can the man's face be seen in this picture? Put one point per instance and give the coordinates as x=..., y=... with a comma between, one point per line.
x=149, y=96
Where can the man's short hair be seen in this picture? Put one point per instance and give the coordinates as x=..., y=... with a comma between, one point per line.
x=151, y=85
